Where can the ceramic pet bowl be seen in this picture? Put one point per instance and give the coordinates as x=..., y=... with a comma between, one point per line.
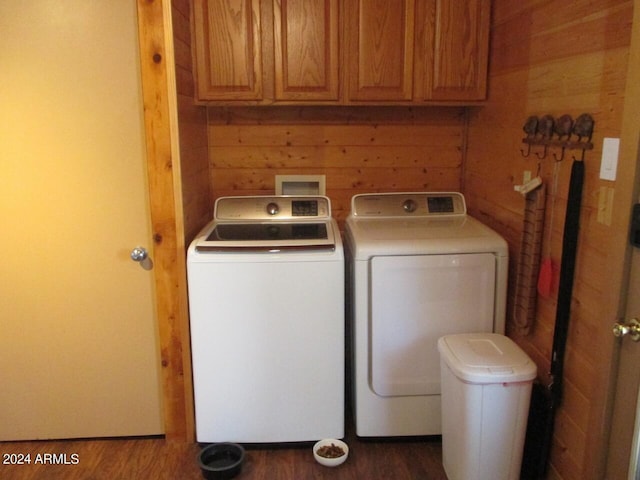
x=327, y=452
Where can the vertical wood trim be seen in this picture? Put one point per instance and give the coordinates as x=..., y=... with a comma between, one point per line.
x=160, y=118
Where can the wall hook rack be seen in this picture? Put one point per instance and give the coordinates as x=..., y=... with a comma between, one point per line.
x=562, y=133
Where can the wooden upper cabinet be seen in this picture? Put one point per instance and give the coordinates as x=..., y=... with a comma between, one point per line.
x=380, y=49
x=228, y=49
x=341, y=51
x=306, y=35
x=453, y=38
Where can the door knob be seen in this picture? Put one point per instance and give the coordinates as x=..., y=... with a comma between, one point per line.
x=139, y=254
x=631, y=328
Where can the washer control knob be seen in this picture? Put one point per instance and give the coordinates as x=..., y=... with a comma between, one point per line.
x=409, y=206
x=272, y=208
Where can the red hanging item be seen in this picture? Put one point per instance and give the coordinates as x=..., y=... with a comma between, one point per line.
x=545, y=278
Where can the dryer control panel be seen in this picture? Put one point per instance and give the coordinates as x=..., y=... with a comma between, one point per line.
x=414, y=204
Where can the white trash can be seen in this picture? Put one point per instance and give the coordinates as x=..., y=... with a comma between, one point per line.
x=486, y=384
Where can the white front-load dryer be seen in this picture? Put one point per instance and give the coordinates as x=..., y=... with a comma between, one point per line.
x=418, y=268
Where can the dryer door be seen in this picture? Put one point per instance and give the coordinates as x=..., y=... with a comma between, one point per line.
x=414, y=301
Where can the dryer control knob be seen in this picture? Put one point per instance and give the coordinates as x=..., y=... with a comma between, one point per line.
x=409, y=206
x=272, y=208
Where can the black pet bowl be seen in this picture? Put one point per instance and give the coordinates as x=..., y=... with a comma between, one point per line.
x=221, y=460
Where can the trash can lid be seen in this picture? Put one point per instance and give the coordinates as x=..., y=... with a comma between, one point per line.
x=486, y=358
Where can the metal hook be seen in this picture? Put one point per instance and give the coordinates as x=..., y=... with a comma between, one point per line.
x=581, y=159
x=561, y=156
x=528, y=151
x=544, y=155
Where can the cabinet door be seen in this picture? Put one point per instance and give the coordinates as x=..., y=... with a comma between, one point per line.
x=456, y=49
x=380, y=49
x=306, y=49
x=228, y=49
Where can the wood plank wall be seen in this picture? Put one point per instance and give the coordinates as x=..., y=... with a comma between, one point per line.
x=372, y=149
x=192, y=120
x=556, y=58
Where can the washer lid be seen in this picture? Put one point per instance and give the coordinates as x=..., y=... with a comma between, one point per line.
x=268, y=237
x=269, y=224
x=486, y=358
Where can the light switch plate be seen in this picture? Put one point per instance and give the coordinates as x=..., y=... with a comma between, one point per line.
x=609, y=163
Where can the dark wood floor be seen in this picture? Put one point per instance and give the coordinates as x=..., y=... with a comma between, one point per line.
x=155, y=458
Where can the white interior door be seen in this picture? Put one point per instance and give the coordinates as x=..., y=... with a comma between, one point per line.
x=78, y=344
x=624, y=449
x=633, y=355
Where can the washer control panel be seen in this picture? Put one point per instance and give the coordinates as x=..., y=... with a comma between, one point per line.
x=257, y=208
x=414, y=204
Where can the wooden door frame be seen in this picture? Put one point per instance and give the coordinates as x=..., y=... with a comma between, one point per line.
x=627, y=190
x=167, y=220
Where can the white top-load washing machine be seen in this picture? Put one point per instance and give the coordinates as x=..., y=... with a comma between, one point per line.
x=418, y=268
x=266, y=298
